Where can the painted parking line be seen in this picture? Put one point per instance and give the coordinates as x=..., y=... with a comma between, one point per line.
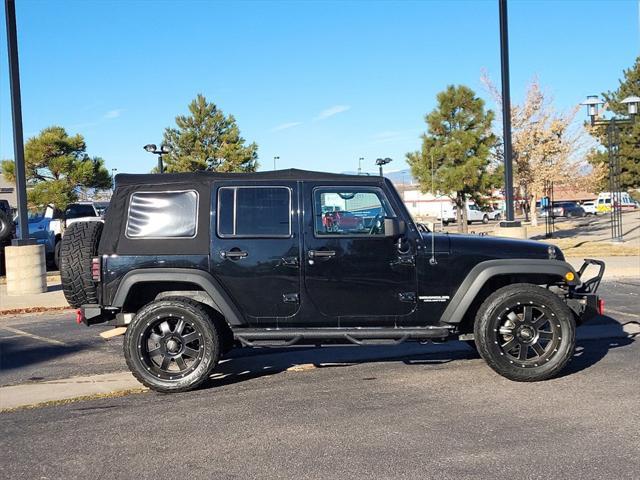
x=31, y=335
x=618, y=312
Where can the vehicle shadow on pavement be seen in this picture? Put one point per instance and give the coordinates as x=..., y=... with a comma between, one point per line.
x=247, y=364
x=589, y=351
x=14, y=354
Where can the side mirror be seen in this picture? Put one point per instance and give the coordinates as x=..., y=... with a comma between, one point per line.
x=394, y=228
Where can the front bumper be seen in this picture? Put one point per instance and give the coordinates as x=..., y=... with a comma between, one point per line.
x=583, y=299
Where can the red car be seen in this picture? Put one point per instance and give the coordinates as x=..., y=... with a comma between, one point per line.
x=341, y=220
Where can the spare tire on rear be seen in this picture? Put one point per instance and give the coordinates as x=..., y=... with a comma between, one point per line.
x=79, y=245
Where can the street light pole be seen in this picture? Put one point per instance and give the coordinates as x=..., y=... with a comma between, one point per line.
x=506, y=112
x=274, y=162
x=613, y=146
x=382, y=161
x=360, y=165
x=151, y=148
x=16, y=115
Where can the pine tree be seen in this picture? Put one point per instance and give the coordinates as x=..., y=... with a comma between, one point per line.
x=629, y=152
x=208, y=140
x=57, y=167
x=459, y=142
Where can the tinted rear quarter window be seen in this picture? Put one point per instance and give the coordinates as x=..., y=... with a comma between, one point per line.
x=162, y=214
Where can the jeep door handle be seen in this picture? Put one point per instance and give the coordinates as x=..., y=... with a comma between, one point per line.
x=234, y=254
x=321, y=253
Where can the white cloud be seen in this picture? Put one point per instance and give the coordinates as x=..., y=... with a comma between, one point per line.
x=331, y=111
x=395, y=135
x=285, y=126
x=113, y=113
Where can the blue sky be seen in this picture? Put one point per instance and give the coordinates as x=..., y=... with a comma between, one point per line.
x=318, y=84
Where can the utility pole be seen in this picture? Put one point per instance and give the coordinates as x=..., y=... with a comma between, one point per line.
x=16, y=115
x=506, y=115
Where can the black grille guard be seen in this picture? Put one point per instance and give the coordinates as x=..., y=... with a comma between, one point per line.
x=590, y=286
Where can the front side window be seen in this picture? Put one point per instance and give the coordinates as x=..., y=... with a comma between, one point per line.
x=163, y=215
x=254, y=212
x=350, y=212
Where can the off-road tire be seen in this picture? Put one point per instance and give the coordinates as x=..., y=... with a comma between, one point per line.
x=518, y=296
x=6, y=226
x=78, y=246
x=190, y=311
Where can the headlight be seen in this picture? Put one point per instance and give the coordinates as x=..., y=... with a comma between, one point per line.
x=552, y=252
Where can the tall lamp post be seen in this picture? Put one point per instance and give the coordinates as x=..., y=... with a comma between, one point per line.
x=360, y=160
x=612, y=126
x=275, y=159
x=151, y=148
x=16, y=114
x=506, y=116
x=382, y=161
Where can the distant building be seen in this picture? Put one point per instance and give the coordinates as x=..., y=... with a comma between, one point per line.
x=8, y=191
x=571, y=194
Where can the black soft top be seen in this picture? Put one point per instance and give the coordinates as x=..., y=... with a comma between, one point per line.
x=290, y=174
x=114, y=240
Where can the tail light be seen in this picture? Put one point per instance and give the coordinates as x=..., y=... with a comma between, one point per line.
x=601, y=306
x=95, y=269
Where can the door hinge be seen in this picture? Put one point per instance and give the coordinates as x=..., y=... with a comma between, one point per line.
x=409, y=297
x=290, y=297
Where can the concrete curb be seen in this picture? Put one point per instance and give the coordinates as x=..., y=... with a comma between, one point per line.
x=30, y=395
x=27, y=310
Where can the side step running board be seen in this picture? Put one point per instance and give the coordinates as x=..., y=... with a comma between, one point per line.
x=358, y=336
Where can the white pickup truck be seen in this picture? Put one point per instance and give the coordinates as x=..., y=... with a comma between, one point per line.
x=474, y=214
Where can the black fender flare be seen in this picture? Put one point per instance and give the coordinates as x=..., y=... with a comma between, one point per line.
x=482, y=272
x=219, y=298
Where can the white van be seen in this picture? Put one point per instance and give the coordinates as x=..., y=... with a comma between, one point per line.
x=603, y=203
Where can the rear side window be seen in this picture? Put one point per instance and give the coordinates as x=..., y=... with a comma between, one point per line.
x=163, y=214
x=254, y=212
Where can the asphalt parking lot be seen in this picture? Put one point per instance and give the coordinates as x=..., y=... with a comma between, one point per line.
x=411, y=411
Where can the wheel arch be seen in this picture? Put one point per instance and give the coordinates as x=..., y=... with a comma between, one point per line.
x=172, y=282
x=488, y=276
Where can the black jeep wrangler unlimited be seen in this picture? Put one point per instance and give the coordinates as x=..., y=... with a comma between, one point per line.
x=193, y=264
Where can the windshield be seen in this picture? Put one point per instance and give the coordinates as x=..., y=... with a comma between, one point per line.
x=35, y=214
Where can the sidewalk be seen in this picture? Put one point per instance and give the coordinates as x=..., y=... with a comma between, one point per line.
x=616, y=267
x=289, y=360
x=53, y=299
x=30, y=394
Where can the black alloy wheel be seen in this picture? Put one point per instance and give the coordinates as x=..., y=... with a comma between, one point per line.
x=172, y=345
x=525, y=332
